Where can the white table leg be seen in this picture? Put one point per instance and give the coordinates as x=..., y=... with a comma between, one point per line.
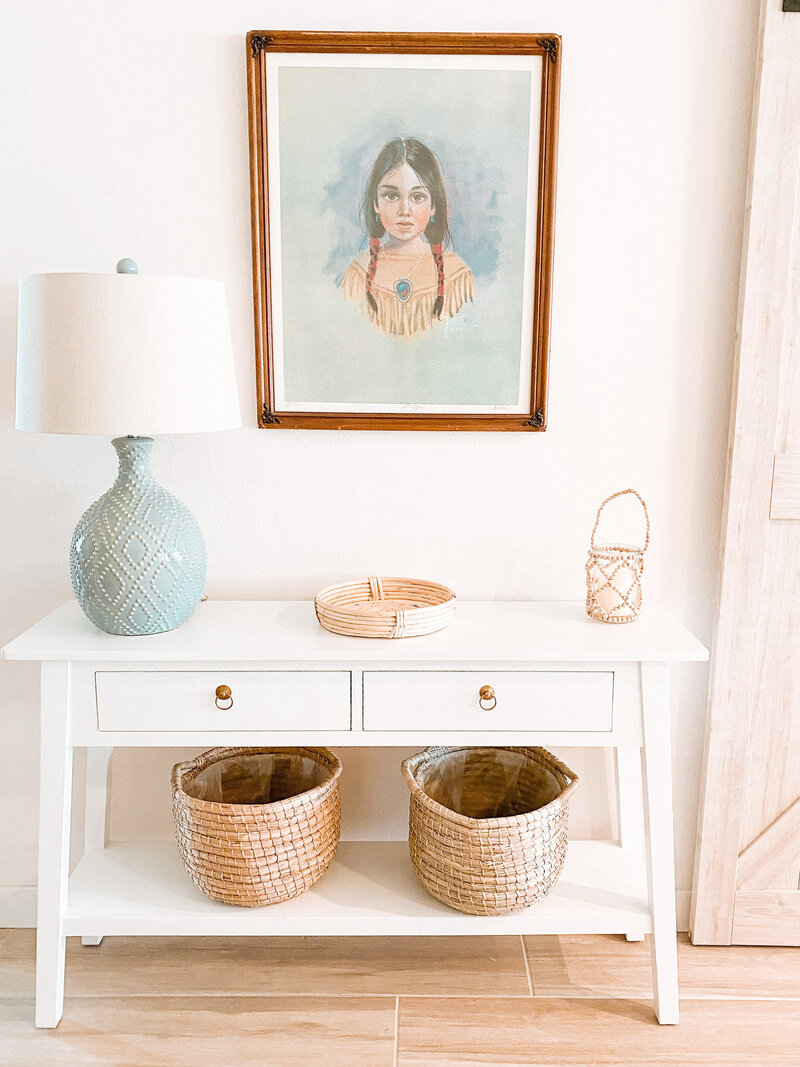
x=657, y=771
x=628, y=764
x=55, y=794
x=97, y=763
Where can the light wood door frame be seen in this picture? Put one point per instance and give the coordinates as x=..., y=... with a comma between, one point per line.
x=769, y=313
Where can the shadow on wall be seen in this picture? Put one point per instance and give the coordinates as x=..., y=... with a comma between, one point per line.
x=374, y=794
x=8, y=360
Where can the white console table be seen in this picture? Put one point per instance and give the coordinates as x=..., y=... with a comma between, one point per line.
x=560, y=680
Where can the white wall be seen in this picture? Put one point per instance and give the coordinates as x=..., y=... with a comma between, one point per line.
x=124, y=133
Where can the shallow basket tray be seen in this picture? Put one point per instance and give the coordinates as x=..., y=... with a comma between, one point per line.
x=385, y=607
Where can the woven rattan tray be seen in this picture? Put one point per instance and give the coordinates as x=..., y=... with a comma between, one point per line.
x=385, y=607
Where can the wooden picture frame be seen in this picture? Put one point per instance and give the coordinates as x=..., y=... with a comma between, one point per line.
x=450, y=343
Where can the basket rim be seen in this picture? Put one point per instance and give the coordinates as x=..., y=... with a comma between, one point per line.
x=199, y=763
x=412, y=763
x=322, y=598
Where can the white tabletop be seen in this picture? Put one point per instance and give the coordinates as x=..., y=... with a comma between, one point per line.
x=264, y=630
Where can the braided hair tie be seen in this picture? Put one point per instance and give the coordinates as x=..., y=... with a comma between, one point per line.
x=374, y=249
x=438, y=306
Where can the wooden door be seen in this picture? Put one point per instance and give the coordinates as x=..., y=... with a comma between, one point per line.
x=747, y=868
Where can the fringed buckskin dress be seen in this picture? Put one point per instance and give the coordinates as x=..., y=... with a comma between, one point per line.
x=405, y=289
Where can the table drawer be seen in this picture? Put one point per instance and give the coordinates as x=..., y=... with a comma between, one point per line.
x=186, y=700
x=526, y=700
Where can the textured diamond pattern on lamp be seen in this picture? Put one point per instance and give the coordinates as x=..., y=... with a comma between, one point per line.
x=138, y=559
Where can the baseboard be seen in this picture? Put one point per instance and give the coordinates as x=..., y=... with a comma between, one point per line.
x=683, y=903
x=18, y=907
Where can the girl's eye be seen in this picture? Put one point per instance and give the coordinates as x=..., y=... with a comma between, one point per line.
x=389, y=196
x=419, y=197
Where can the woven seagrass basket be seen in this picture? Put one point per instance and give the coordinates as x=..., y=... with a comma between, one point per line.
x=257, y=825
x=488, y=826
x=385, y=607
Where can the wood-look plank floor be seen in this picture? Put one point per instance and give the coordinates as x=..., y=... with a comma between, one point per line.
x=135, y=1002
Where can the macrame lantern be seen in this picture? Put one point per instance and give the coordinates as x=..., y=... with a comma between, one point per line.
x=614, y=573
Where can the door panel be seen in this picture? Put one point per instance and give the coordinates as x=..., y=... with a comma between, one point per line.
x=747, y=868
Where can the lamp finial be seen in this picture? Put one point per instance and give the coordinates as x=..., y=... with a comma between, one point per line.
x=127, y=266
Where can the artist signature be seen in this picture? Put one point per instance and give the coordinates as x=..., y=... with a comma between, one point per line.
x=459, y=323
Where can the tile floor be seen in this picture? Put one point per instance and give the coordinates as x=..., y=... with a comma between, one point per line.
x=226, y=1002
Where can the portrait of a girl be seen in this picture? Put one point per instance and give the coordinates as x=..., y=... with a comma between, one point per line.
x=407, y=280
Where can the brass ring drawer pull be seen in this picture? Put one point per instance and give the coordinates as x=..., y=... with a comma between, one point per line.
x=487, y=694
x=223, y=693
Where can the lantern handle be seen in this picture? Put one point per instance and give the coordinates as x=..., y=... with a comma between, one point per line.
x=608, y=500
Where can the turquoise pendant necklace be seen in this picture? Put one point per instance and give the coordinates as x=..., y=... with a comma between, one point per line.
x=403, y=287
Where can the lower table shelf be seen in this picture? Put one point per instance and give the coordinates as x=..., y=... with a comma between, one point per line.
x=142, y=888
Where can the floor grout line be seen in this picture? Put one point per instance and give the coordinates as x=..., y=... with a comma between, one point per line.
x=641, y=998
x=527, y=964
x=396, y=1030
x=282, y=995
x=590, y=994
x=647, y=997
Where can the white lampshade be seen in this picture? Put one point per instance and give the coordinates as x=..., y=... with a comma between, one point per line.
x=120, y=354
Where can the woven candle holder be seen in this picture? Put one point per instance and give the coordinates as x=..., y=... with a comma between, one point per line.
x=614, y=573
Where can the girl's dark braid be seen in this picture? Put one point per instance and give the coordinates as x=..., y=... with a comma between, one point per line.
x=438, y=306
x=374, y=249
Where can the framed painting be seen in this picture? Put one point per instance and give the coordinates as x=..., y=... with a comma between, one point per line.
x=403, y=197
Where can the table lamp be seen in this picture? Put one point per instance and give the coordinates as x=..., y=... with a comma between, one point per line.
x=128, y=354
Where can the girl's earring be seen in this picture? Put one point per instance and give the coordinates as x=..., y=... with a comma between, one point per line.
x=433, y=218
x=377, y=217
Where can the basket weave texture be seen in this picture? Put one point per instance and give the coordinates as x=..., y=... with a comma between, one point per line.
x=385, y=607
x=488, y=826
x=257, y=825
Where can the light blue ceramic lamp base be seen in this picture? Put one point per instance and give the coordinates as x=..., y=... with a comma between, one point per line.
x=138, y=559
